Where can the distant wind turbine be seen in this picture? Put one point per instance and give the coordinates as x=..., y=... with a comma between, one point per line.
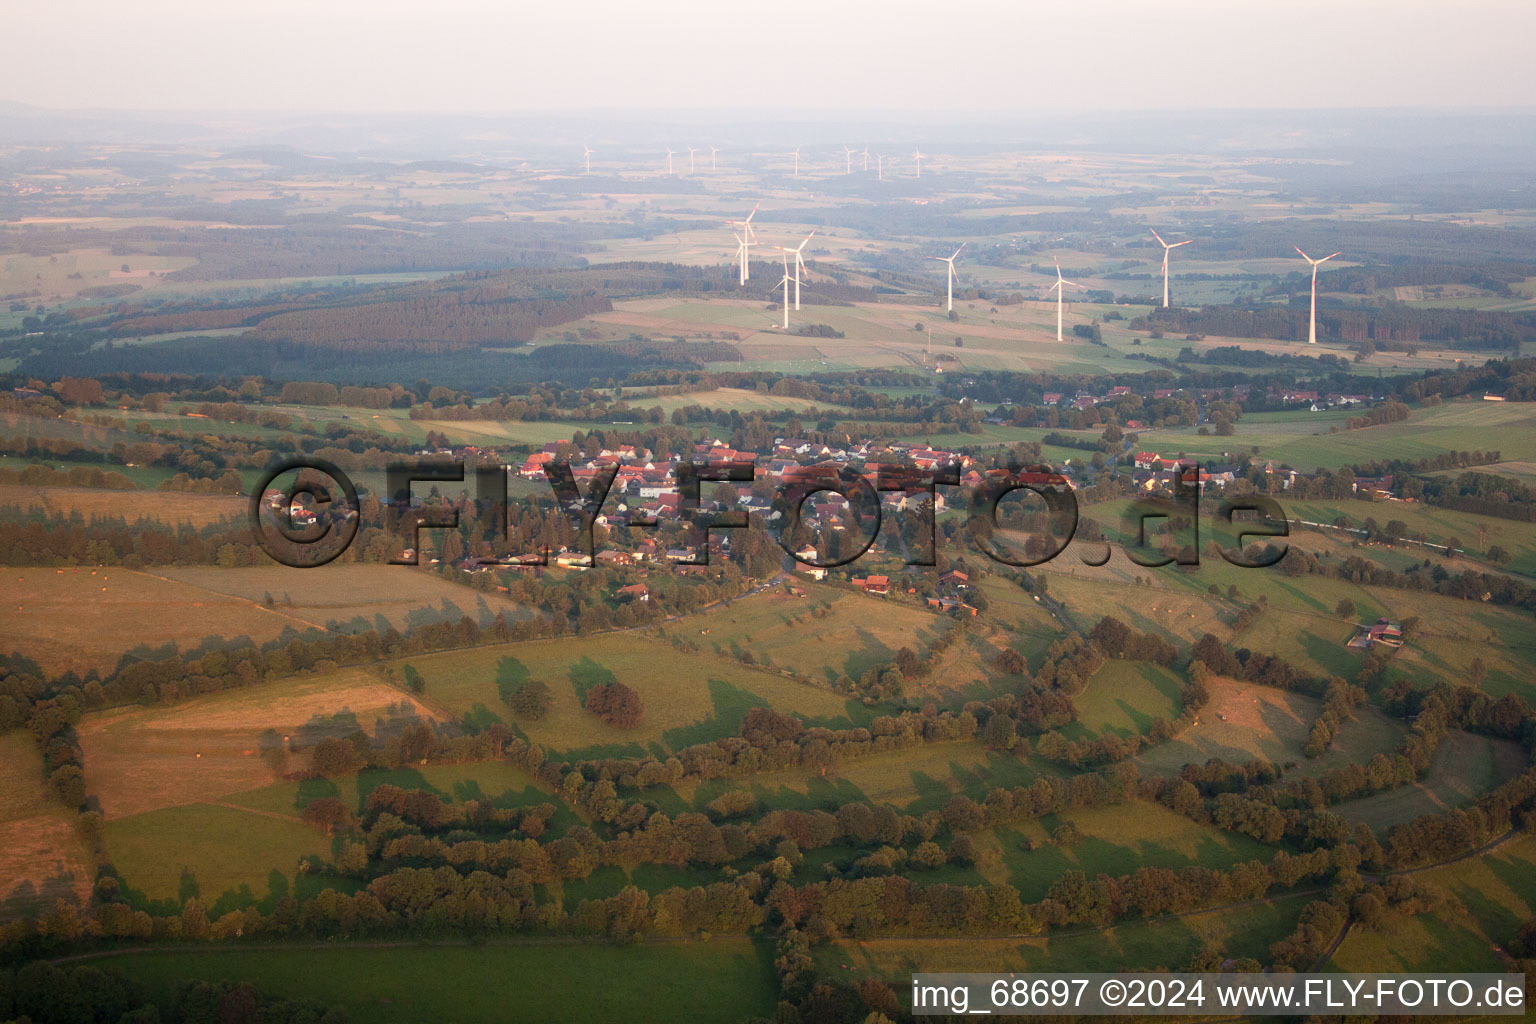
x=586, y=152
x=691, y=151
x=848, y=158
x=746, y=240
x=1166, y=250
x=669, y=159
x=917, y=155
x=866, y=156
x=950, y=306
x=1312, y=325
x=796, y=155
x=712, y=152
x=798, y=253
x=879, y=166
x=1059, y=288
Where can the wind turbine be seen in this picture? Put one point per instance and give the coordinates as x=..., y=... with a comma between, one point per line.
x=1166, y=250
x=879, y=166
x=950, y=306
x=917, y=155
x=746, y=240
x=798, y=253
x=691, y=151
x=1312, y=325
x=669, y=159
x=586, y=152
x=712, y=152
x=848, y=158
x=784, y=283
x=796, y=155
x=866, y=156
x=1060, y=288
x=741, y=256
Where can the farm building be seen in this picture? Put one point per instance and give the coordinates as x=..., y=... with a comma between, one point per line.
x=1387, y=634
x=874, y=584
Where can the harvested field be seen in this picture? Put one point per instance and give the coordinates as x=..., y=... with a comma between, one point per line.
x=160, y=506
x=206, y=748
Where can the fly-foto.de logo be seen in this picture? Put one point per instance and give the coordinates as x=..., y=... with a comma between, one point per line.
x=315, y=515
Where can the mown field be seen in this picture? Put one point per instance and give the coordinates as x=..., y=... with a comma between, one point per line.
x=1464, y=766
x=726, y=979
x=205, y=748
x=125, y=610
x=131, y=506
x=352, y=597
x=42, y=858
x=1244, y=721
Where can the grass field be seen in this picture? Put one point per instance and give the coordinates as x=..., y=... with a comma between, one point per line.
x=1244, y=721
x=1464, y=766
x=495, y=781
x=41, y=856
x=1436, y=525
x=1486, y=900
x=857, y=632
x=913, y=781
x=1466, y=425
x=244, y=847
x=726, y=979
x=1112, y=840
x=1299, y=621
x=351, y=597
x=1170, y=943
x=141, y=759
x=735, y=399
x=1123, y=698
x=687, y=697
x=218, y=854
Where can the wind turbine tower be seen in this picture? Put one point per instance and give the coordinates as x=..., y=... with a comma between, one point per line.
x=950, y=303
x=798, y=252
x=796, y=155
x=744, y=243
x=1059, y=288
x=879, y=166
x=1312, y=324
x=691, y=151
x=712, y=152
x=1166, y=250
x=848, y=158
x=586, y=152
x=669, y=159
x=917, y=155
x=784, y=283
x=866, y=157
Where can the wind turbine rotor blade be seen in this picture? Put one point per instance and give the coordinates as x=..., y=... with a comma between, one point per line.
x=1325, y=259
x=1186, y=241
x=1158, y=237
x=957, y=251
x=1303, y=255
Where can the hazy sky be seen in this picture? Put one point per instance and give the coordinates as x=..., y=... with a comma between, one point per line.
x=470, y=57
